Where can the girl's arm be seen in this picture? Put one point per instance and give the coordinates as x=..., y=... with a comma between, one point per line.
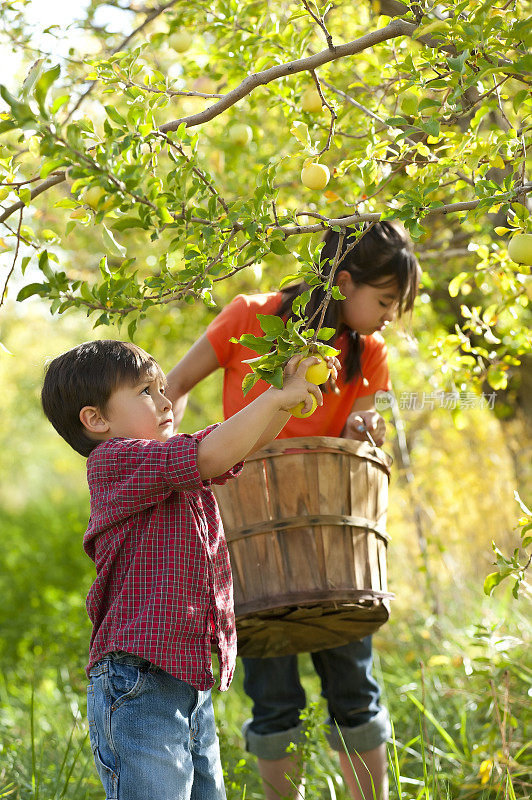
x=199, y=362
x=363, y=413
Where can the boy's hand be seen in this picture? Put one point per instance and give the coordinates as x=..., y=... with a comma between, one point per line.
x=296, y=389
x=332, y=364
x=360, y=421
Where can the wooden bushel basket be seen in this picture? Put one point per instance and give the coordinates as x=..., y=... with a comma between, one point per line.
x=306, y=528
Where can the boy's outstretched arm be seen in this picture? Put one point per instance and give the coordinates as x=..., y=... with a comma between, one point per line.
x=240, y=435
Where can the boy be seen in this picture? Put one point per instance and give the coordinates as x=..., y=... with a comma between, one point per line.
x=163, y=588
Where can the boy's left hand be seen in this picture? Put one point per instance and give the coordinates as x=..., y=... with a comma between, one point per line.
x=332, y=363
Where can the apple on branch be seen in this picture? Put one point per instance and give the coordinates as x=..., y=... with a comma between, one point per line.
x=520, y=249
x=180, y=41
x=240, y=134
x=311, y=100
x=315, y=175
x=93, y=197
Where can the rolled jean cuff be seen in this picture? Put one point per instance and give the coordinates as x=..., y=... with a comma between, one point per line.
x=270, y=746
x=361, y=738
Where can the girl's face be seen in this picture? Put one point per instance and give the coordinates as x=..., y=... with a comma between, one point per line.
x=367, y=307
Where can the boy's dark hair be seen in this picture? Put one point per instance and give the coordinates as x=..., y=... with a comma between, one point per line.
x=384, y=251
x=86, y=376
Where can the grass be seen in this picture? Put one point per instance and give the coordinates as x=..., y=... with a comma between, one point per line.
x=456, y=688
x=455, y=708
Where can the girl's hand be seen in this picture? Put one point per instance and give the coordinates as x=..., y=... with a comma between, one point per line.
x=335, y=367
x=359, y=421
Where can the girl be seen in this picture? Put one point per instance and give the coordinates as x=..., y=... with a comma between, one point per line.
x=379, y=279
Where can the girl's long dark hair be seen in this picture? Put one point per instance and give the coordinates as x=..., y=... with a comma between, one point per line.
x=384, y=251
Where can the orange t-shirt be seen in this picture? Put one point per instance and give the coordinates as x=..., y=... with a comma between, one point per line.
x=239, y=317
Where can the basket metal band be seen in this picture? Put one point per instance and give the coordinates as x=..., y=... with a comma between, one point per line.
x=305, y=522
x=323, y=444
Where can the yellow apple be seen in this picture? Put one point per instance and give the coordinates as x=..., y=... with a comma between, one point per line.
x=240, y=134
x=297, y=411
x=520, y=249
x=315, y=176
x=318, y=373
x=180, y=41
x=93, y=196
x=311, y=100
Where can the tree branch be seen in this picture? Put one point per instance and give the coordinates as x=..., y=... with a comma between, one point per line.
x=4, y=290
x=149, y=18
x=343, y=222
x=391, y=31
x=54, y=179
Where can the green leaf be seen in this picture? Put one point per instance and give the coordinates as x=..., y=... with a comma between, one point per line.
x=249, y=382
x=277, y=378
x=326, y=333
x=51, y=166
x=7, y=125
x=33, y=288
x=288, y=279
x=165, y=215
x=32, y=76
x=21, y=111
x=43, y=85
x=327, y=350
x=440, y=26
x=113, y=114
x=458, y=64
x=337, y=294
x=272, y=326
x=300, y=131
x=256, y=343
x=44, y=265
x=497, y=378
x=279, y=248
x=124, y=223
x=25, y=195
x=59, y=102
x=111, y=244
x=491, y=581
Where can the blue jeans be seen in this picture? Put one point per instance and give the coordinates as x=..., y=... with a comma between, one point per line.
x=152, y=735
x=351, y=692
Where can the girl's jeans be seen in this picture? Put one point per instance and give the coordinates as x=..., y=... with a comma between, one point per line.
x=347, y=684
x=152, y=735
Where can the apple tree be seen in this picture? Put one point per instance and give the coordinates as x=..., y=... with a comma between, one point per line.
x=190, y=148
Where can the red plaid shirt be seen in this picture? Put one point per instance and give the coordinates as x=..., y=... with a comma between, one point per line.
x=163, y=588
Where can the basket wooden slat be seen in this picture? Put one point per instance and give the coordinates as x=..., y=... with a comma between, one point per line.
x=306, y=528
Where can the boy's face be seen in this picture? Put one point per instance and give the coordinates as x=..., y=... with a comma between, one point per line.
x=140, y=411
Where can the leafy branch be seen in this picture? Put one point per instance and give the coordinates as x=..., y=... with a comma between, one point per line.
x=515, y=566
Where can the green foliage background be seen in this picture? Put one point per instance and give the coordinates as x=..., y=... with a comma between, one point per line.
x=461, y=656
